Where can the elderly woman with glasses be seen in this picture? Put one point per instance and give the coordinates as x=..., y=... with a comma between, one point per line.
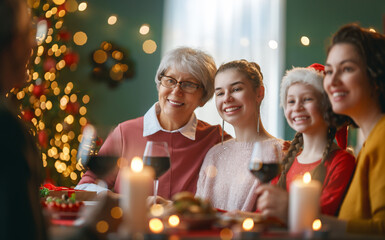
x=185, y=81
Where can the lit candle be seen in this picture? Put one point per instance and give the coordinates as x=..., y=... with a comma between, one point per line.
x=248, y=230
x=135, y=187
x=303, y=203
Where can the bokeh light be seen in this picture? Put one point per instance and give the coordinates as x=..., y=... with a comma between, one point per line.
x=149, y=46
x=273, y=44
x=80, y=38
x=82, y=6
x=144, y=29
x=305, y=41
x=156, y=225
x=112, y=20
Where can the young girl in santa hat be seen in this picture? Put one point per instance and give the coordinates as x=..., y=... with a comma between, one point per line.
x=308, y=111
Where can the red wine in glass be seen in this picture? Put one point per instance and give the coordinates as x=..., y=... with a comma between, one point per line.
x=156, y=155
x=159, y=164
x=265, y=172
x=265, y=162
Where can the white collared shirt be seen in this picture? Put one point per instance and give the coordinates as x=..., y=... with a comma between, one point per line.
x=151, y=124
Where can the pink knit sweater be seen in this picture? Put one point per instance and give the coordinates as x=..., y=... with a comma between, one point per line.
x=186, y=156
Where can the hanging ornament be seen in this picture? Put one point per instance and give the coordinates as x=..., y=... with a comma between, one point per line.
x=111, y=63
x=71, y=58
x=28, y=115
x=99, y=141
x=38, y=90
x=72, y=108
x=43, y=138
x=49, y=64
x=65, y=35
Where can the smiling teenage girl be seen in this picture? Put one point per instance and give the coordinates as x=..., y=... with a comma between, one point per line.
x=224, y=178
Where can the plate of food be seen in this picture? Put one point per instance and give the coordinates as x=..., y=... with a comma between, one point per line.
x=62, y=208
x=193, y=212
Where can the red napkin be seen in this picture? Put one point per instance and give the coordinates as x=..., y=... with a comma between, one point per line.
x=52, y=187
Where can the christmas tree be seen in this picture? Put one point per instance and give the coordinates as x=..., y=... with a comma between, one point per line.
x=50, y=102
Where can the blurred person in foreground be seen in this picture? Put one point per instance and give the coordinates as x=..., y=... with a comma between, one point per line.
x=355, y=83
x=185, y=81
x=21, y=213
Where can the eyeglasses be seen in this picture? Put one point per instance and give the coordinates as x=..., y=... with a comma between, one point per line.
x=186, y=86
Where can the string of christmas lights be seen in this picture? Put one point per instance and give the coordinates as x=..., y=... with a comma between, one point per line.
x=52, y=105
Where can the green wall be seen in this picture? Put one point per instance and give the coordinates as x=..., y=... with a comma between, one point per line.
x=132, y=98
x=318, y=20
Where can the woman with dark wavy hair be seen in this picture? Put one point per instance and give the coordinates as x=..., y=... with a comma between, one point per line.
x=355, y=84
x=21, y=213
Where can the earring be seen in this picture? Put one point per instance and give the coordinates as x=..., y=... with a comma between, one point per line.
x=258, y=124
x=223, y=126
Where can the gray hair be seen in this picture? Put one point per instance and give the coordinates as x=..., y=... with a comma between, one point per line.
x=193, y=61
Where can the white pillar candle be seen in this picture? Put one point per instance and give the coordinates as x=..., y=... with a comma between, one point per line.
x=303, y=203
x=135, y=187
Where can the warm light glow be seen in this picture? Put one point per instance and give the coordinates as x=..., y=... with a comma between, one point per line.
x=59, y=24
x=144, y=29
x=59, y=127
x=100, y=56
x=226, y=233
x=117, y=55
x=102, y=226
x=305, y=41
x=372, y=29
x=273, y=44
x=82, y=6
x=112, y=20
x=149, y=46
x=307, y=178
x=173, y=220
x=156, y=210
x=80, y=38
x=156, y=225
x=86, y=99
x=248, y=224
x=317, y=225
x=137, y=164
x=71, y=5
x=83, y=121
x=83, y=110
x=59, y=2
x=116, y=212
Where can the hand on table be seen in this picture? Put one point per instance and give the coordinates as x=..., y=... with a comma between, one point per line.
x=273, y=202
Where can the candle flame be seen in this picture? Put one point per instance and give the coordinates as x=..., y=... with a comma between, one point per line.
x=307, y=177
x=137, y=164
x=173, y=220
x=156, y=210
x=248, y=224
x=317, y=224
x=156, y=225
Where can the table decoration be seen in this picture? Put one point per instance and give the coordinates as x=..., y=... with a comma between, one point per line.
x=136, y=186
x=304, y=204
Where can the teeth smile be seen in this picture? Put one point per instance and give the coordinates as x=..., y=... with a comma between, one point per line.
x=299, y=118
x=339, y=94
x=175, y=103
x=231, y=109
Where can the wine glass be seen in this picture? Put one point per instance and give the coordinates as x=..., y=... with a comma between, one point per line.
x=265, y=162
x=157, y=156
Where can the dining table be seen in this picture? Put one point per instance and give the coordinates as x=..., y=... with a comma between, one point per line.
x=99, y=211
